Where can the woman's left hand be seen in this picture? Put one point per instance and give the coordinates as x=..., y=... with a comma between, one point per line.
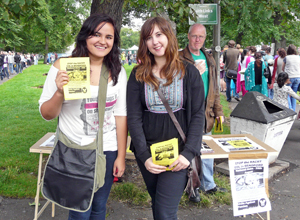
x=180, y=164
x=119, y=167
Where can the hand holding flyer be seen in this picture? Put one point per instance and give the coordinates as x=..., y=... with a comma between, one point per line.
x=165, y=153
x=78, y=70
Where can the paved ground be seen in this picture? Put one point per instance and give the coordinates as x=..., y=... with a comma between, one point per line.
x=284, y=190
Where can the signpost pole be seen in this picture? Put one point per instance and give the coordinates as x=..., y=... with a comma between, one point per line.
x=216, y=39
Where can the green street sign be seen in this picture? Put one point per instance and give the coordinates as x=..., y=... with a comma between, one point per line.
x=206, y=13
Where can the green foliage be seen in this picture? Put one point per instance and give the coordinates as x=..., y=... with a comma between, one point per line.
x=28, y=23
x=129, y=38
x=268, y=21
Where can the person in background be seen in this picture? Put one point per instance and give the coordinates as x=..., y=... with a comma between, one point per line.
x=129, y=58
x=291, y=65
x=5, y=65
x=230, y=58
x=17, y=59
x=282, y=91
x=277, y=66
x=254, y=76
x=268, y=55
x=98, y=30
x=240, y=82
x=195, y=54
x=123, y=58
x=159, y=66
x=10, y=62
x=271, y=67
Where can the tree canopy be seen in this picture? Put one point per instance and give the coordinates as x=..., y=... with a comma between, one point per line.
x=42, y=26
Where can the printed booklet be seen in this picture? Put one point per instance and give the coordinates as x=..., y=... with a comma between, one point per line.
x=78, y=69
x=165, y=153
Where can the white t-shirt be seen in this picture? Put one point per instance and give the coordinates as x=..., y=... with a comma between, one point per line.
x=78, y=119
x=292, y=65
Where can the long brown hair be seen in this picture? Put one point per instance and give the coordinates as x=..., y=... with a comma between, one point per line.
x=146, y=60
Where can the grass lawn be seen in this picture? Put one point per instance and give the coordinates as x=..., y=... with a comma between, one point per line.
x=22, y=125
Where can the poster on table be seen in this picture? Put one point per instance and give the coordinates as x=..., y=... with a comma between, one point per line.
x=249, y=183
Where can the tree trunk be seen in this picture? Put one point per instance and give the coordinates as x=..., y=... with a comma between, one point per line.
x=282, y=41
x=46, y=47
x=111, y=7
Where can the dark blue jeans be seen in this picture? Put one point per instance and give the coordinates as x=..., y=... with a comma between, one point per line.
x=228, y=90
x=98, y=208
x=5, y=71
x=165, y=190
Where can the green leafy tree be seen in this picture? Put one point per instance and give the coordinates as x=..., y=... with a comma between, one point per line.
x=253, y=22
x=129, y=38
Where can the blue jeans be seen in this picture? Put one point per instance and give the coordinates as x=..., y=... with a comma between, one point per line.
x=207, y=178
x=11, y=68
x=18, y=67
x=228, y=89
x=294, y=85
x=5, y=71
x=98, y=208
x=271, y=93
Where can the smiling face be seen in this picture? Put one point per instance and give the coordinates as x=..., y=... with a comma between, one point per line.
x=101, y=43
x=157, y=42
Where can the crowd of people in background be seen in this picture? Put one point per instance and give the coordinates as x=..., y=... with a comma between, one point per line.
x=128, y=57
x=14, y=62
x=251, y=66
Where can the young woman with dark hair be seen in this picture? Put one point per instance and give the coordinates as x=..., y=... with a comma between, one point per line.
x=148, y=120
x=254, y=75
x=282, y=91
x=98, y=39
x=291, y=65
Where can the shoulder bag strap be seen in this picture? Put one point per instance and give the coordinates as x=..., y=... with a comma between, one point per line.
x=169, y=110
x=101, y=104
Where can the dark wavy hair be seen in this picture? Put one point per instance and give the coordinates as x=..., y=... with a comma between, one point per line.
x=282, y=78
x=146, y=59
x=292, y=50
x=88, y=29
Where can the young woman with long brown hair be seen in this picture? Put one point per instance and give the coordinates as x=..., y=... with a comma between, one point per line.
x=148, y=120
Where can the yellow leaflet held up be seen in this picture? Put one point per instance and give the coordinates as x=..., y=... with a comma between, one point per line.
x=165, y=153
x=218, y=126
x=78, y=69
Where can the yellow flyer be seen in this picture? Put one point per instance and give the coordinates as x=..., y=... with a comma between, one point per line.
x=165, y=153
x=78, y=69
x=240, y=144
x=218, y=126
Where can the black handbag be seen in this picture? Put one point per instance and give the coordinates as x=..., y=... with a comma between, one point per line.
x=231, y=74
x=267, y=71
x=73, y=173
x=194, y=170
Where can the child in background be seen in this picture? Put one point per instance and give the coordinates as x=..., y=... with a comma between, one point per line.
x=281, y=91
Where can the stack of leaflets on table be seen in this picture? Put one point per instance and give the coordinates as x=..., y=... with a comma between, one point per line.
x=205, y=149
x=237, y=144
x=165, y=153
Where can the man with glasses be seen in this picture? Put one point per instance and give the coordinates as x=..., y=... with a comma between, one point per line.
x=195, y=53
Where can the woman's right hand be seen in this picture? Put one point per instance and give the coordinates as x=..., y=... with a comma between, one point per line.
x=62, y=79
x=154, y=168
